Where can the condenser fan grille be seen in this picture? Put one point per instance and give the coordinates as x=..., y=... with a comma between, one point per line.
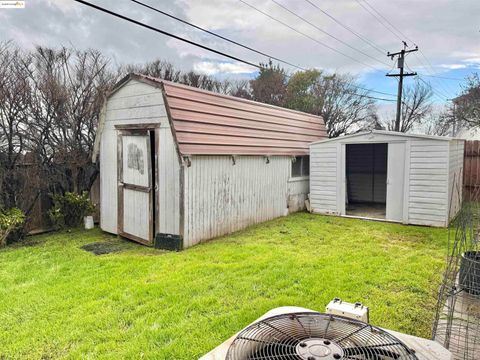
x=316, y=336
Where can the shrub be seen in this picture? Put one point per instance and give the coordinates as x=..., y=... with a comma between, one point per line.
x=10, y=220
x=69, y=209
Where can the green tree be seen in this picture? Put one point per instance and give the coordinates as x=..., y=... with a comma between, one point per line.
x=301, y=91
x=270, y=86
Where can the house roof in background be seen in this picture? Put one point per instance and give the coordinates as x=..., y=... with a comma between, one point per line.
x=207, y=123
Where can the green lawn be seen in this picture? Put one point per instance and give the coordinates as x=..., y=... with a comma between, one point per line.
x=59, y=301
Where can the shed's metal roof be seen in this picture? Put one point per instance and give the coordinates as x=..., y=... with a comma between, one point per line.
x=385, y=132
x=207, y=123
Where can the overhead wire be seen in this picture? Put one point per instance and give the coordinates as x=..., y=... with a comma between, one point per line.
x=327, y=33
x=239, y=44
x=190, y=42
x=358, y=35
x=306, y=35
x=217, y=35
x=401, y=36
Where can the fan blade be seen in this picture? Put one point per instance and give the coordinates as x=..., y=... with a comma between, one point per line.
x=371, y=353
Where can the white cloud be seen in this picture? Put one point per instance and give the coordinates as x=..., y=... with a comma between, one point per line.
x=453, y=66
x=214, y=68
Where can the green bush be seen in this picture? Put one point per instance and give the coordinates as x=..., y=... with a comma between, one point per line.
x=69, y=209
x=10, y=220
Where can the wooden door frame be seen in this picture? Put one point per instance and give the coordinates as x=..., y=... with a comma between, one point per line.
x=137, y=130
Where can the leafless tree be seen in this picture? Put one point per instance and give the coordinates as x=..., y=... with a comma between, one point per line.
x=14, y=106
x=345, y=108
x=68, y=90
x=416, y=106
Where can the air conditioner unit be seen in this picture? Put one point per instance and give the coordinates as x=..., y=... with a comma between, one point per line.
x=295, y=333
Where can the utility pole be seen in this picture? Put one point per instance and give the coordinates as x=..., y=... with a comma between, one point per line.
x=401, y=75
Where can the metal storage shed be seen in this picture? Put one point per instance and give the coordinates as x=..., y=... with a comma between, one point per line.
x=179, y=165
x=413, y=179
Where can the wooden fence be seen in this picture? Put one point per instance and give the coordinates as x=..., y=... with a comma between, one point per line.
x=471, y=170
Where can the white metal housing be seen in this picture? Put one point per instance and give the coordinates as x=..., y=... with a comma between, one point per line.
x=424, y=176
x=424, y=349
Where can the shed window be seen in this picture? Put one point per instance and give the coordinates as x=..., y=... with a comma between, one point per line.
x=301, y=166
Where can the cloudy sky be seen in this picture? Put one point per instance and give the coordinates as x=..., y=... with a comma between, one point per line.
x=446, y=31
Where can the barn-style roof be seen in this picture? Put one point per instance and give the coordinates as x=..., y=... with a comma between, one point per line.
x=207, y=123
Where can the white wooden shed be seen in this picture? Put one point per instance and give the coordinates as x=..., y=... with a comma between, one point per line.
x=412, y=179
x=179, y=165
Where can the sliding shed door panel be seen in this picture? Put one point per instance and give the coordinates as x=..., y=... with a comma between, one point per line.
x=395, y=181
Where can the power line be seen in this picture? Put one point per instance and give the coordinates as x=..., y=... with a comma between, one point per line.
x=239, y=44
x=99, y=8
x=306, y=35
x=327, y=33
x=440, y=96
x=378, y=19
x=217, y=35
x=398, y=34
x=358, y=35
x=388, y=22
x=445, y=77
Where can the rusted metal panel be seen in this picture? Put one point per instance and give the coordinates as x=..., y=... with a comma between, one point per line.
x=200, y=149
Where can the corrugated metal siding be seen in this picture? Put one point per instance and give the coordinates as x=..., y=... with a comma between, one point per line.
x=137, y=103
x=220, y=197
x=323, y=177
x=298, y=189
x=428, y=182
x=455, y=180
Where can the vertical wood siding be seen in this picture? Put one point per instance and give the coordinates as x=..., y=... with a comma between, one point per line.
x=323, y=177
x=220, y=198
x=137, y=103
x=471, y=178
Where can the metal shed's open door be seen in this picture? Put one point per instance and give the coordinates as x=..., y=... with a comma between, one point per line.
x=395, y=181
x=135, y=193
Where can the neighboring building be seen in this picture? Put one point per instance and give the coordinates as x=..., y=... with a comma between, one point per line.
x=179, y=165
x=412, y=179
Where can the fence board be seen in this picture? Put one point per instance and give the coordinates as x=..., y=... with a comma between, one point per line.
x=471, y=170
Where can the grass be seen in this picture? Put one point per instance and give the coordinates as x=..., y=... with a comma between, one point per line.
x=59, y=301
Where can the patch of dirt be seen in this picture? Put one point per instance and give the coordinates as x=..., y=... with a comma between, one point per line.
x=106, y=247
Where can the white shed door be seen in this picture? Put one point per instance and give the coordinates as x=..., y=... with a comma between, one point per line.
x=395, y=181
x=135, y=208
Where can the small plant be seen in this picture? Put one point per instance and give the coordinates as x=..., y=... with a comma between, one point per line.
x=10, y=220
x=69, y=209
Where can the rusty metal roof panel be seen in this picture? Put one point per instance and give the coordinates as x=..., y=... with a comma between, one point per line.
x=207, y=123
